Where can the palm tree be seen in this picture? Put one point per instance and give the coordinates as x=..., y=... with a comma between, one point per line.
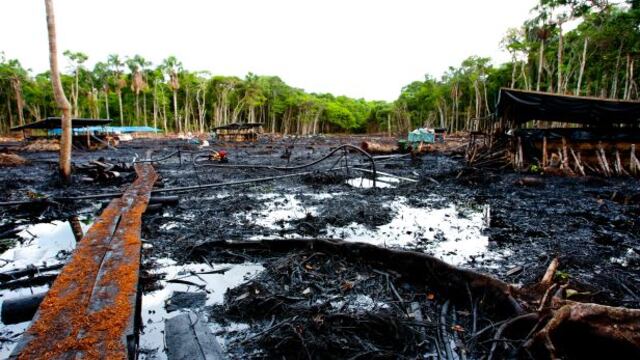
x=171, y=67
x=61, y=99
x=138, y=82
x=115, y=64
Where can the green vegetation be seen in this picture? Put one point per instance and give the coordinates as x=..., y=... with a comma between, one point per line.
x=596, y=58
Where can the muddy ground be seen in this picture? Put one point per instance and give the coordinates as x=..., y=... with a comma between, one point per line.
x=303, y=304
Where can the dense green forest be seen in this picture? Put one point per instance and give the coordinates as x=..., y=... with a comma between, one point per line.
x=595, y=58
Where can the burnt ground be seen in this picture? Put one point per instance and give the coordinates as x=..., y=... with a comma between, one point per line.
x=294, y=306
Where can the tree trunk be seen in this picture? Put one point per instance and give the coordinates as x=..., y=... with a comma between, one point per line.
x=627, y=81
x=582, y=65
x=10, y=112
x=75, y=93
x=540, y=65
x=633, y=87
x=523, y=73
x=560, y=56
x=137, y=106
x=155, y=106
x=144, y=108
x=106, y=103
x=17, y=89
x=187, y=113
x=513, y=72
x=61, y=99
x=614, y=84
x=119, y=92
x=176, y=118
x=486, y=98
x=476, y=91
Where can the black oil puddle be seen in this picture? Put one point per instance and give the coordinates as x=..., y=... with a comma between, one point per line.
x=39, y=245
x=189, y=287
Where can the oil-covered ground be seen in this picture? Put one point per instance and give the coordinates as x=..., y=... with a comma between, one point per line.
x=307, y=304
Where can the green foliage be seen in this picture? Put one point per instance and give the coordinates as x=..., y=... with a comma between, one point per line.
x=535, y=169
x=131, y=90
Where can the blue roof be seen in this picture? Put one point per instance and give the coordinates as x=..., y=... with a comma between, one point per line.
x=110, y=129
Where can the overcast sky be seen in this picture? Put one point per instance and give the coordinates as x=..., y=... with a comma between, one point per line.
x=359, y=48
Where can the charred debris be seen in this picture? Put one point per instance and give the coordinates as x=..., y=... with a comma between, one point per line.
x=489, y=245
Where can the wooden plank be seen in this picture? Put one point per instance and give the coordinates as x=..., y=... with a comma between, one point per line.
x=112, y=308
x=90, y=308
x=188, y=338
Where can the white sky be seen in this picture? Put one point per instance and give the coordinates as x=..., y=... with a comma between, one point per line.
x=359, y=48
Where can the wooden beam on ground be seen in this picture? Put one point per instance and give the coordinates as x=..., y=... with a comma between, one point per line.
x=90, y=309
x=188, y=338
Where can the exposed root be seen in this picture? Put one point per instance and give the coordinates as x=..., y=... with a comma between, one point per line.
x=577, y=329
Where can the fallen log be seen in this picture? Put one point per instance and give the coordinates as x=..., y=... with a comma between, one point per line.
x=529, y=181
x=377, y=148
x=549, y=326
x=414, y=265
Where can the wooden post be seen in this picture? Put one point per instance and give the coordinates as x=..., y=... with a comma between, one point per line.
x=561, y=160
x=520, y=154
x=632, y=160
x=601, y=163
x=565, y=154
x=619, y=168
x=603, y=160
x=576, y=159
x=545, y=155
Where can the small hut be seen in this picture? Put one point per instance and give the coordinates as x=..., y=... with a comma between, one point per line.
x=239, y=131
x=50, y=129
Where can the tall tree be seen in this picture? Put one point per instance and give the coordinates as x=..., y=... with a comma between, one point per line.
x=61, y=99
x=76, y=59
x=102, y=75
x=171, y=67
x=118, y=82
x=138, y=83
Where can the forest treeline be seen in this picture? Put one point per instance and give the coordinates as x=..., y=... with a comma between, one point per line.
x=598, y=57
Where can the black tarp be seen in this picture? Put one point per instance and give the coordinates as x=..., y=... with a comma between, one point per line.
x=521, y=106
x=54, y=123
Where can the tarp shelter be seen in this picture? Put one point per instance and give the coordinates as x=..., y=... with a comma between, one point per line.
x=517, y=107
x=55, y=123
